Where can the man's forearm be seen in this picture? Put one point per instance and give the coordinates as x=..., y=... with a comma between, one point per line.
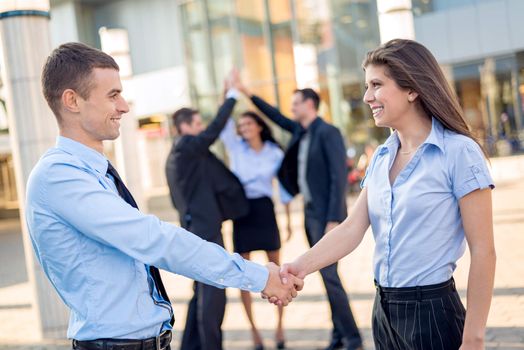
x=273, y=113
x=211, y=264
x=206, y=138
x=223, y=114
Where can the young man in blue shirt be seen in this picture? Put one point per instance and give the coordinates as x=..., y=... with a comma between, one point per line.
x=98, y=250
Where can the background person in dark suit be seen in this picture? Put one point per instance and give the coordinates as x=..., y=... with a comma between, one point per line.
x=205, y=194
x=315, y=165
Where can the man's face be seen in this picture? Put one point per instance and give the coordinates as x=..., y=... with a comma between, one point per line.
x=194, y=128
x=100, y=113
x=299, y=106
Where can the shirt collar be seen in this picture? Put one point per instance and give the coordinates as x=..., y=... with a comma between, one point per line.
x=94, y=159
x=435, y=137
x=391, y=144
x=314, y=124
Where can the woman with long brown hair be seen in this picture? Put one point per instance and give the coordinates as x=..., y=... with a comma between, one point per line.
x=427, y=191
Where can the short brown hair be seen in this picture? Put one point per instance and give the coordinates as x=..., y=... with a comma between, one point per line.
x=69, y=67
x=309, y=94
x=183, y=116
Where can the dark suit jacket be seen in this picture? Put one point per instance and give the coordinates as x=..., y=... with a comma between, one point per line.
x=326, y=163
x=202, y=189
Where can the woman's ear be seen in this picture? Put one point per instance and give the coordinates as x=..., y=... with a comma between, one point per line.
x=412, y=95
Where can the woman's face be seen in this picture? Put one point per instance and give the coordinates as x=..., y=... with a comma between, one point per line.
x=389, y=103
x=248, y=128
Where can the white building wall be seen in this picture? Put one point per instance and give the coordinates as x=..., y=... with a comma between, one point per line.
x=474, y=31
x=154, y=30
x=159, y=84
x=63, y=25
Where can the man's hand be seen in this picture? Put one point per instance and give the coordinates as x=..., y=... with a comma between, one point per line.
x=331, y=225
x=290, y=273
x=277, y=291
x=236, y=82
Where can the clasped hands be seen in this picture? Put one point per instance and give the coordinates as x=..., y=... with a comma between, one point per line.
x=283, y=284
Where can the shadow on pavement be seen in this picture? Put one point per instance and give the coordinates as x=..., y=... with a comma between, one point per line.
x=12, y=259
x=498, y=338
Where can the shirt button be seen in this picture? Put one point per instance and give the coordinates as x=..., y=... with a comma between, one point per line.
x=249, y=286
x=476, y=170
x=221, y=280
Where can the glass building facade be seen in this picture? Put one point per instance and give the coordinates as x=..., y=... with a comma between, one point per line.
x=281, y=45
x=485, y=63
x=491, y=92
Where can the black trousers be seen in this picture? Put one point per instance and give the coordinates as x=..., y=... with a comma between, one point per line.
x=344, y=325
x=205, y=314
x=418, y=318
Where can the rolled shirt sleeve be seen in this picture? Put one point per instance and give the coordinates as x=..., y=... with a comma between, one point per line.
x=470, y=171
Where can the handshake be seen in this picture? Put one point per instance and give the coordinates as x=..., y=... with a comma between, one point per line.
x=283, y=283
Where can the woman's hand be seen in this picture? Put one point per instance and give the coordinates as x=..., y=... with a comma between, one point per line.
x=477, y=344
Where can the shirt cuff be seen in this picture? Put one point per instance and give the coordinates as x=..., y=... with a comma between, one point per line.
x=255, y=277
x=470, y=187
x=233, y=93
x=478, y=180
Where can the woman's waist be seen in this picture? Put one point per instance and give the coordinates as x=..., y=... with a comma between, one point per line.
x=416, y=293
x=258, y=190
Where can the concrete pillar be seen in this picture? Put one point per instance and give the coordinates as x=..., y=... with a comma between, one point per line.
x=24, y=33
x=395, y=20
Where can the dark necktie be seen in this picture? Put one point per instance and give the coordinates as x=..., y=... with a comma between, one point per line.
x=128, y=197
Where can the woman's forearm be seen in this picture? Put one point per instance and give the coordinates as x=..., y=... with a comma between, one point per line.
x=480, y=289
x=335, y=245
x=340, y=241
x=477, y=219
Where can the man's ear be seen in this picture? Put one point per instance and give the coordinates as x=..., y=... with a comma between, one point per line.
x=70, y=101
x=183, y=129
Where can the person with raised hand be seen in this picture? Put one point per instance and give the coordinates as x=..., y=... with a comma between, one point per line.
x=314, y=165
x=255, y=158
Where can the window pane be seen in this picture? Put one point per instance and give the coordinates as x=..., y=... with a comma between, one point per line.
x=222, y=39
x=196, y=48
x=255, y=54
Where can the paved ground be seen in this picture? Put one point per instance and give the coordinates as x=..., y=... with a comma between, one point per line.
x=307, y=320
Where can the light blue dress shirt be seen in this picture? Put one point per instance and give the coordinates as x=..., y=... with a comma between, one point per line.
x=416, y=223
x=94, y=248
x=255, y=170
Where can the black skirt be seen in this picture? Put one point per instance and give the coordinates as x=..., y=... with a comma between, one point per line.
x=257, y=230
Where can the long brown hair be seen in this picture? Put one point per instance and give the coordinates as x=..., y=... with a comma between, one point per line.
x=412, y=66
